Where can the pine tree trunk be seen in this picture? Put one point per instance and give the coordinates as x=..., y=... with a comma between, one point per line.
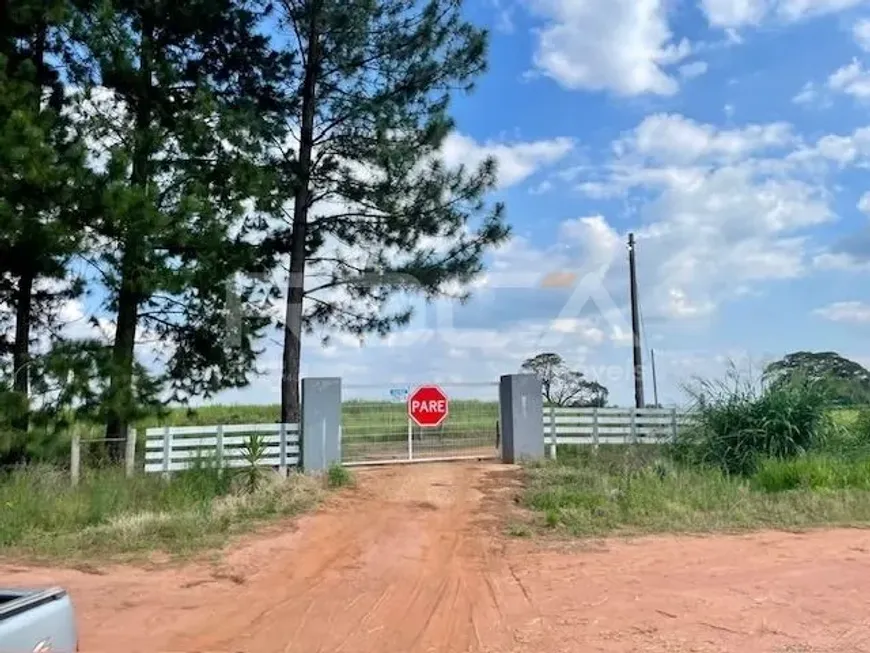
x=27, y=278
x=290, y=404
x=21, y=347
x=120, y=388
x=123, y=351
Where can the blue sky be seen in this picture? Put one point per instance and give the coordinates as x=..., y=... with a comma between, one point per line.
x=732, y=136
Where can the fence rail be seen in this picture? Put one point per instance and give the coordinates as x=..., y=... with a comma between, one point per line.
x=594, y=426
x=175, y=448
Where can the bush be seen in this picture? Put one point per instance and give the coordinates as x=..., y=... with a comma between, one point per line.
x=739, y=423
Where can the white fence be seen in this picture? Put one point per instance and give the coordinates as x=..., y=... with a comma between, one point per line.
x=611, y=425
x=175, y=448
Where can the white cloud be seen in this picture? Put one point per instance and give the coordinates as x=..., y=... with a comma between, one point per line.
x=841, y=261
x=693, y=69
x=745, y=13
x=672, y=138
x=861, y=33
x=723, y=209
x=850, y=150
x=623, y=46
x=733, y=13
x=853, y=311
x=852, y=79
x=807, y=94
x=864, y=203
x=516, y=161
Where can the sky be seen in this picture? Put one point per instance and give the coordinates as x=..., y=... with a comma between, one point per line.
x=732, y=137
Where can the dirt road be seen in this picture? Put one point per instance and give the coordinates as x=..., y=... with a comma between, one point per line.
x=414, y=561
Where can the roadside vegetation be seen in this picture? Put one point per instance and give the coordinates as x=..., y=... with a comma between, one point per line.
x=108, y=514
x=760, y=455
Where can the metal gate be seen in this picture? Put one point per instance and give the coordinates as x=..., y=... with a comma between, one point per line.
x=376, y=427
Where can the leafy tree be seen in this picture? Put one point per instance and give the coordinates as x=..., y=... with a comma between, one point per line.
x=563, y=386
x=842, y=381
x=375, y=213
x=178, y=94
x=42, y=179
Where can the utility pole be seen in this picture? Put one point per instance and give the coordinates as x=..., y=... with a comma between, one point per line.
x=652, y=360
x=635, y=326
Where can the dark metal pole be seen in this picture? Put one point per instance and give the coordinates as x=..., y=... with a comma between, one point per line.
x=635, y=327
x=652, y=360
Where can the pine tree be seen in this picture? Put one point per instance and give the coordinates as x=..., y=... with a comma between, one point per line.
x=186, y=86
x=42, y=177
x=375, y=212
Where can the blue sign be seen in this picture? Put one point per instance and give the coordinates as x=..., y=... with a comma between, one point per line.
x=399, y=394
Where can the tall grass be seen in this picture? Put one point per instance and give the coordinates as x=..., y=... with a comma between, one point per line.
x=107, y=513
x=740, y=422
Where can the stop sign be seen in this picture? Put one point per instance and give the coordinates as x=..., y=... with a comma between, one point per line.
x=428, y=406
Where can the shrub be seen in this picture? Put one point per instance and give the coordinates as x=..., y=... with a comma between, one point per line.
x=739, y=423
x=338, y=476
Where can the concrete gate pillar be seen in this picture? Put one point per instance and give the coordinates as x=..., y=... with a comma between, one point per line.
x=321, y=423
x=521, y=408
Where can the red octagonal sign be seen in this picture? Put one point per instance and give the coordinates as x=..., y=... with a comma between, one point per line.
x=428, y=406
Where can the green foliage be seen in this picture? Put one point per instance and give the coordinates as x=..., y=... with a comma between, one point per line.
x=44, y=182
x=563, y=386
x=252, y=452
x=588, y=495
x=111, y=514
x=813, y=472
x=738, y=422
x=338, y=476
x=181, y=113
x=841, y=381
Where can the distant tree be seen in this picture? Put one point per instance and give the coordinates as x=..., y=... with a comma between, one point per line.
x=563, y=386
x=844, y=382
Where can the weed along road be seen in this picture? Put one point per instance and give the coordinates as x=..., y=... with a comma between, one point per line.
x=416, y=559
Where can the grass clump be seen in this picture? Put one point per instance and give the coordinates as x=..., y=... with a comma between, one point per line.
x=338, y=476
x=107, y=513
x=738, y=423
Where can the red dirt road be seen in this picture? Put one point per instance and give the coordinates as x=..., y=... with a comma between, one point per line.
x=414, y=561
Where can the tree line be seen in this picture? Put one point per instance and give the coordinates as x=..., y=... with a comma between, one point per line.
x=182, y=166
x=839, y=381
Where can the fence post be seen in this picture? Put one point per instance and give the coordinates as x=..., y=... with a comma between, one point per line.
x=673, y=424
x=130, y=452
x=219, y=448
x=167, y=451
x=282, y=449
x=595, y=429
x=633, y=426
x=75, y=457
x=553, y=440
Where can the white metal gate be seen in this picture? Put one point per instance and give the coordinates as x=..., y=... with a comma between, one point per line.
x=376, y=428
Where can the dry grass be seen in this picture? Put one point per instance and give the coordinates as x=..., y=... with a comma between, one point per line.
x=108, y=514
